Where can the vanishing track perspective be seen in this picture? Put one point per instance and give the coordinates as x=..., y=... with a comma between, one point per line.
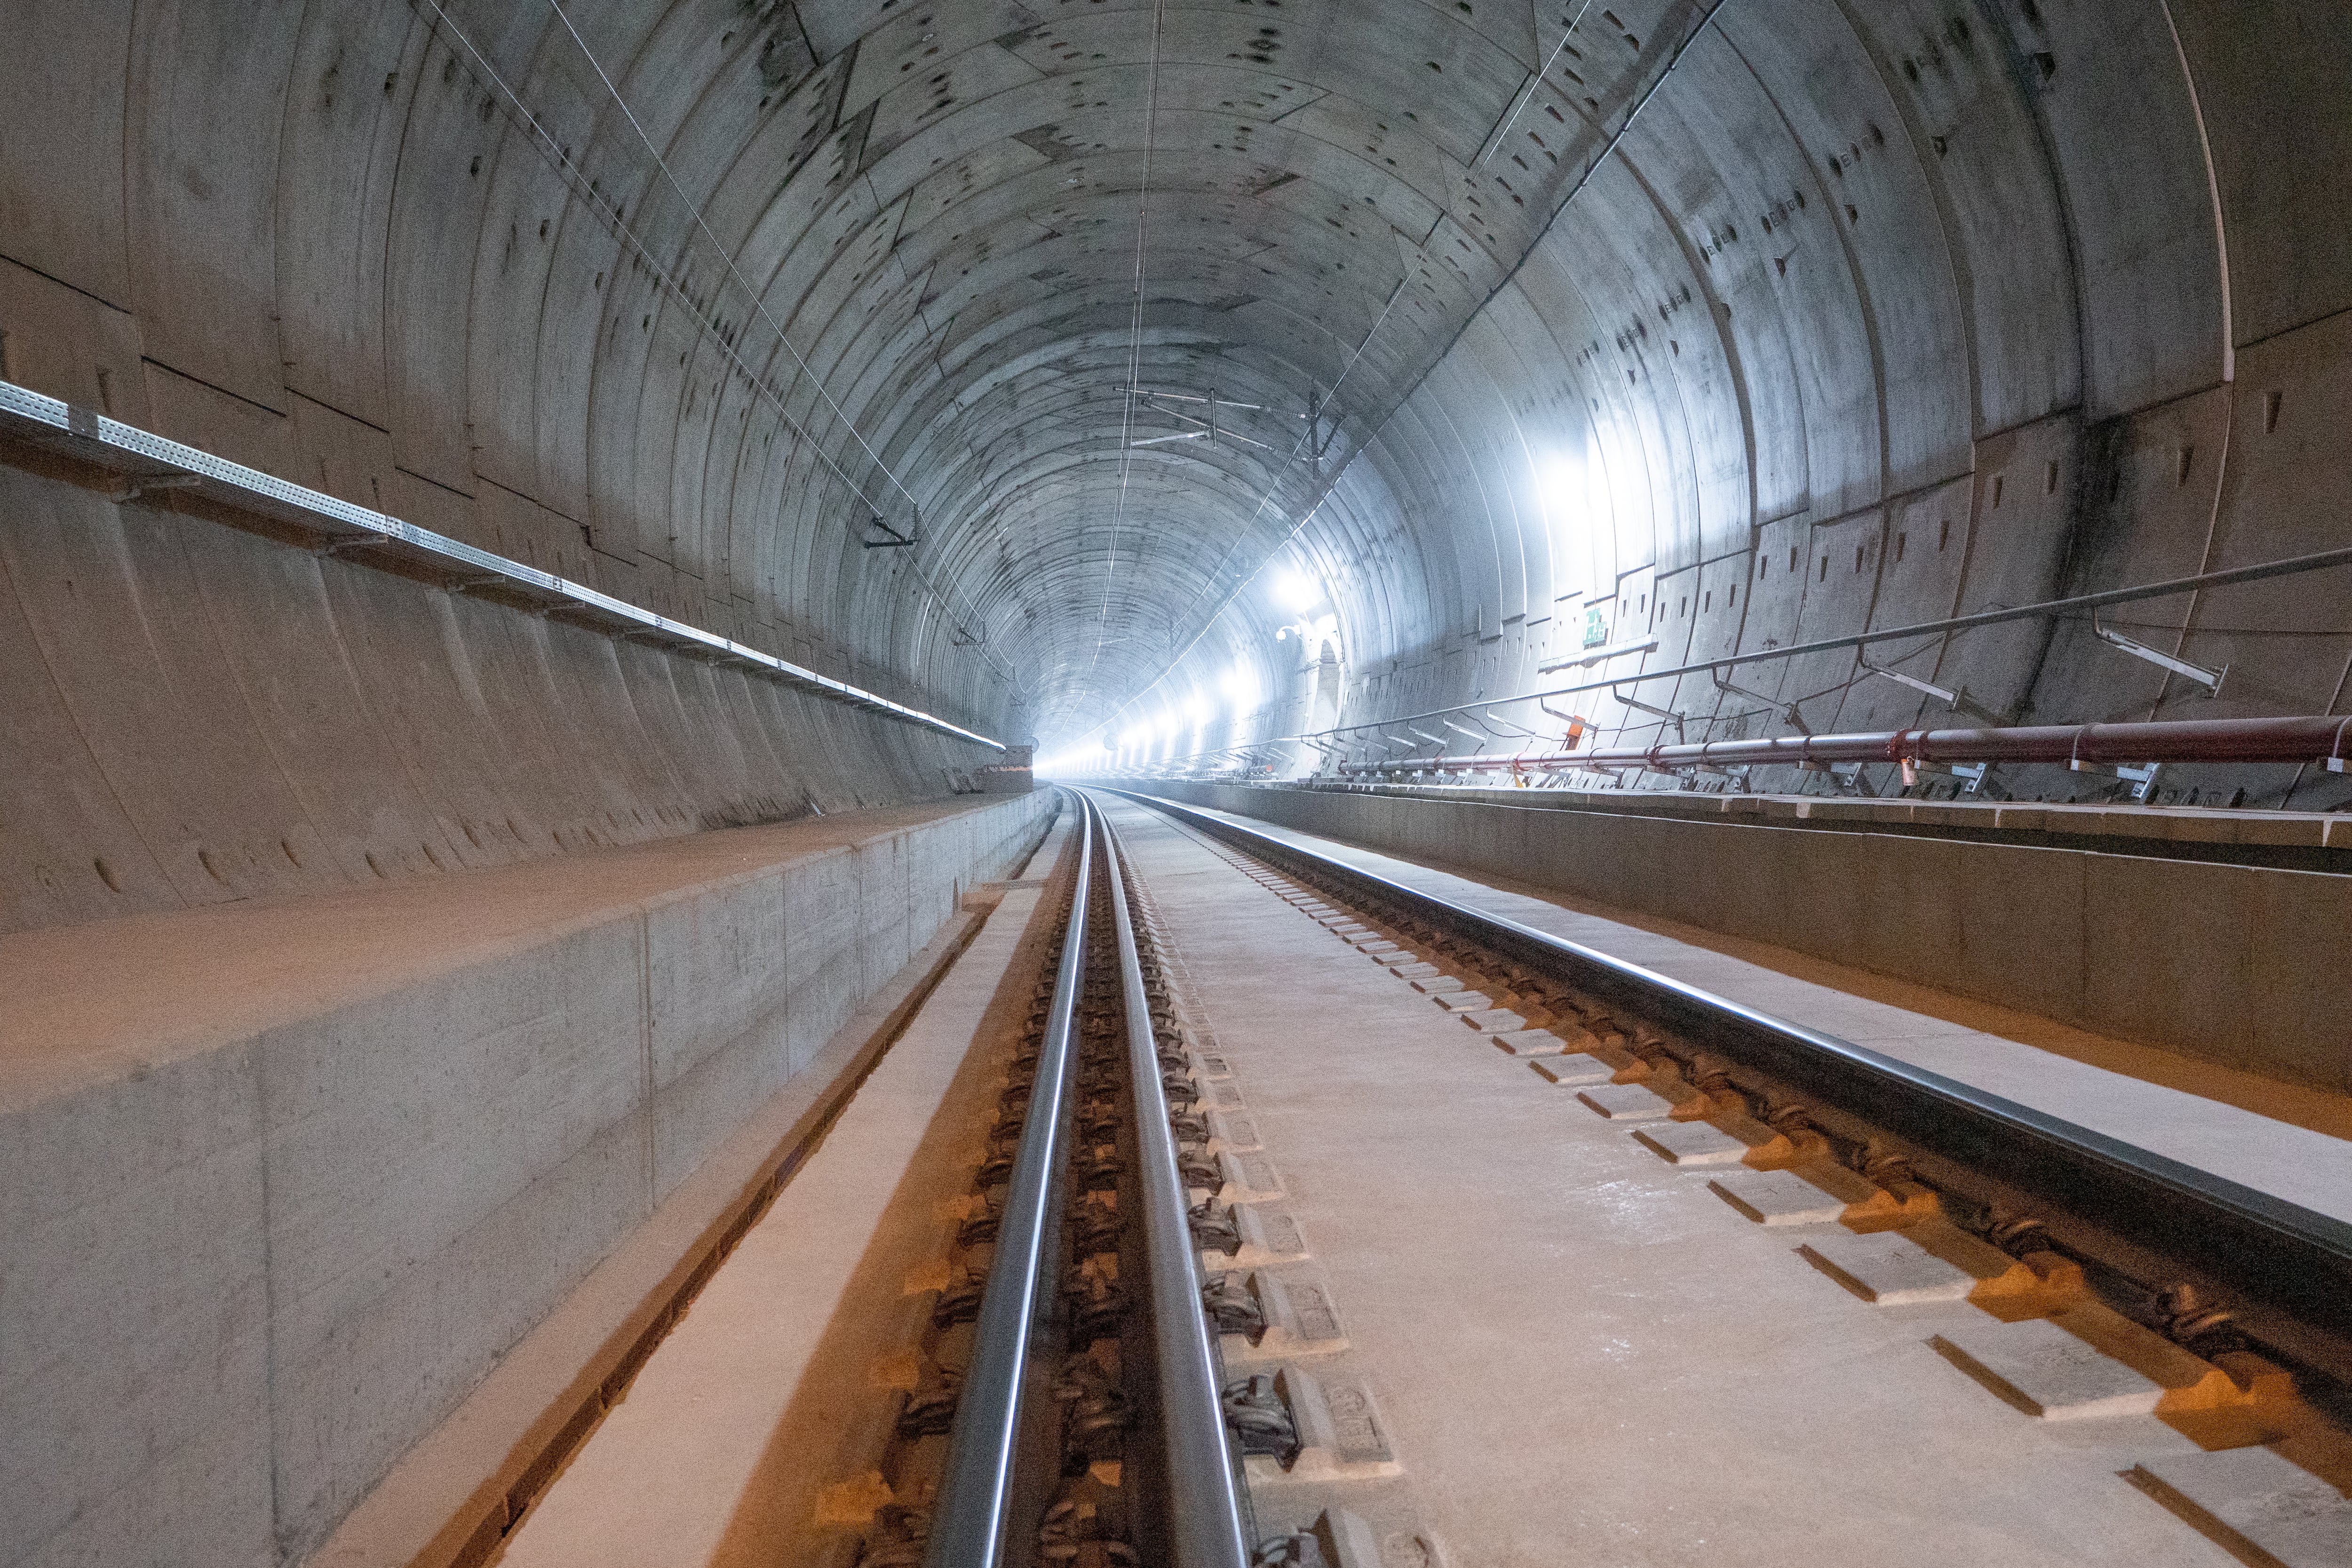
x=1279, y=1213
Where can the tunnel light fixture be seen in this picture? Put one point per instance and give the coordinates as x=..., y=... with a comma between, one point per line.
x=1559, y=488
x=1297, y=592
x=148, y=461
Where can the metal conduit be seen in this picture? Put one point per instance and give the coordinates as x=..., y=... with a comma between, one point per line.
x=980, y=1522
x=2306, y=739
x=1205, y=1509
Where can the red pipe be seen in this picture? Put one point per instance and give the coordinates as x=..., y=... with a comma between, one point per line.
x=2293, y=740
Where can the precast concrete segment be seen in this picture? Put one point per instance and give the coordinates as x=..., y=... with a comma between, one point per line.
x=1580, y=1353
x=1877, y=308
x=196, y=715
x=281, y=1182
x=152, y=463
x=779, y=1384
x=2185, y=1110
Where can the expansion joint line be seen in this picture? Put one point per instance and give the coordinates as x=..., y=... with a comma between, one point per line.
x=1134, y=326
x=1527, y=94
x=1607, y=151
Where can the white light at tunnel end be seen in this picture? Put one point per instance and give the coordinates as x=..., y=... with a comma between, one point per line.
x=1297, y=592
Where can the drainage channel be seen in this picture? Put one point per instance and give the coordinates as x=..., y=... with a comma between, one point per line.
x=1076, y=1409
x=2114, y=1280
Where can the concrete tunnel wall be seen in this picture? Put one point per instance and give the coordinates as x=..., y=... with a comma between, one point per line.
x=1877, y=313
x=192, y=715
x=1873, y=313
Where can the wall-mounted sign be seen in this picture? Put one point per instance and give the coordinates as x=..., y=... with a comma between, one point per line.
x=1596, y=624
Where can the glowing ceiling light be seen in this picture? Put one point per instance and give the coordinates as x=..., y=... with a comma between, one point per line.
x=1560, y=490
x=1297, y=592
x=1241, y=687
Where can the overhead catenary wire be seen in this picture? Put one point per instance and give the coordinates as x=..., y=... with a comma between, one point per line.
x=1527, y=94
x=726, y=256
x=610, y=214
x=1134, y=328
x=1583, y=178
x=760, y=305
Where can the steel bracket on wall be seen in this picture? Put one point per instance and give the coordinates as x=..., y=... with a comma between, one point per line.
x=136, y=485
x=2211, y=679
x=1789, y=714
x=893, y=539
x=1959, y=701
x=2141, y=779
x=1640, y=707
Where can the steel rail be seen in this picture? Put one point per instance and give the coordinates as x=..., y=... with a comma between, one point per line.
x=979, y=1520
x=1204, y=1511
x=2290, y=1258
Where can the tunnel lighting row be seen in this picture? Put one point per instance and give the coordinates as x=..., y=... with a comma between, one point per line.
x=149, y=462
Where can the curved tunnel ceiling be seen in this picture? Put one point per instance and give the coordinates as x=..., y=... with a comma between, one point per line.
x=1618, y=321
x=1035, y=206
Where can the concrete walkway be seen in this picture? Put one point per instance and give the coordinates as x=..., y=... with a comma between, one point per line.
x=775, y=1394
x=1581, y=1355
x=2206, y=1116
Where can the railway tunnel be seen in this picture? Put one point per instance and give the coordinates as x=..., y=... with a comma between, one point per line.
x=1349, y=782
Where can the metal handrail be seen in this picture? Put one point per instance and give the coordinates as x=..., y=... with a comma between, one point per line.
x=974, y=1524
x=2262, y=571
x=1205, y=1513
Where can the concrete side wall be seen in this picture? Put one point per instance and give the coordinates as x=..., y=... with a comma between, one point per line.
x=193, y=715
x=237, y=1284
x=2241, y=965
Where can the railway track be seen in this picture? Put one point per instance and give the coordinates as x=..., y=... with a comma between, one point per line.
x=1086, y=1425
x=2284, y=1267
x=1095, y=1423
